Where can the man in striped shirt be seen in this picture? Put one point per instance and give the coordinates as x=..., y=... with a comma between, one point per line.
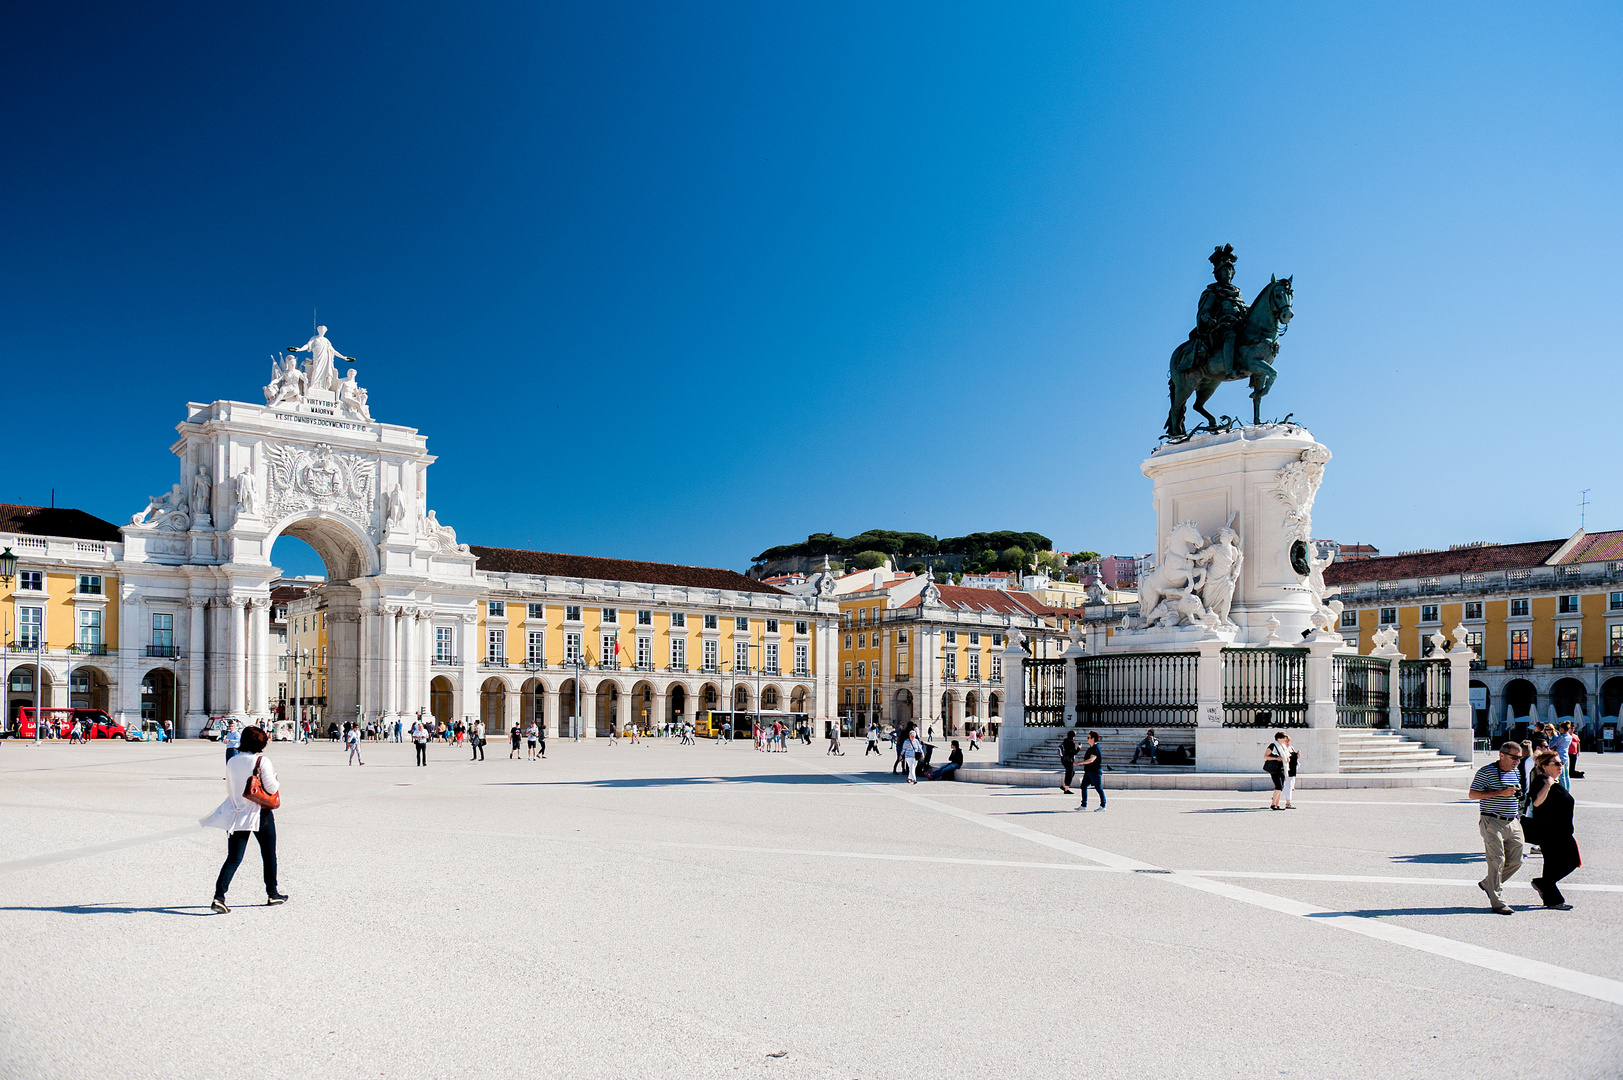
x=1496, y=786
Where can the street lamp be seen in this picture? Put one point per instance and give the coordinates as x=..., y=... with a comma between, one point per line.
x=8, y=567
x=533, y=666
x=577, y=662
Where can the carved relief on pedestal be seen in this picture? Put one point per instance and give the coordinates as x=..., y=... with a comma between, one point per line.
x=1193, y=581
x=320, y=479
x=1298, y=486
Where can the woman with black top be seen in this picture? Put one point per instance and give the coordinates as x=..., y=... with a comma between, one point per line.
x=1273, y=763
x=1551, y=807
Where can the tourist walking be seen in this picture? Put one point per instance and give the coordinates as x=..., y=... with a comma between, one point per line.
x=240, y=817
x=1292, y=756
x=974, y=738
x=477, y=740
x=1093, y=762
x=1497, y=786
x=1551, y=807
x=530, y=735
x=232, y=739
x=911, y=751
x=352, y=739
x=834, y=741
x=419, y=739
x=514, y=736
x=1274, y=759
x=873, y=741
x=1067, y=760
x=1561, y=743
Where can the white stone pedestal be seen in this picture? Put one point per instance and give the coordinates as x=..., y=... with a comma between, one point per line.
x=1261, y=482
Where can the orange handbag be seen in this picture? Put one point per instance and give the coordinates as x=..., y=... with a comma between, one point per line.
x=255, y=791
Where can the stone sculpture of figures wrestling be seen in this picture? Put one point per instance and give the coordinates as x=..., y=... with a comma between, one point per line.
x=1194, y=580
x=1230, y=341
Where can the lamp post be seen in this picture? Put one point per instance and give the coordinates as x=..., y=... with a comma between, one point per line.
x=575, y=722
x=533, y=666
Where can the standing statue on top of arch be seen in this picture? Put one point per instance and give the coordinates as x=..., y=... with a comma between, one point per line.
x=319, y=372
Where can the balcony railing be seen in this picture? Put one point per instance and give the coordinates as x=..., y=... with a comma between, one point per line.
x=802, y=672
x=1614, y=661
x=535, y=663
x=86, y=648
x=446, y=661
x=495, y=661
x=1479, y=665
x=609, y=665
x=166, y=652
x=1518, y=665
x=677, y=667
x=644, y=667
x=1569, y=661
x=771, y=669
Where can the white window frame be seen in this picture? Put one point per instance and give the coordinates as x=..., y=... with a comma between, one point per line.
x=679, y=620
x=802, y=659
x=645, y=651
x=645, y=618
x=1431, y=614
x=741, y=656
x=444, y=644
x=975, y=666
x=94, y=581
x=1393, y=621
x=536, y=647
x=711, y=655
x=679, y=652
x=31, y=581
x=495, y=645
x=611, y=615
x=571, y=613
x=29, y=616
x=741, y=624
x=495, y=609
x=712, y=622
x=536, y=611
x=572, y=650
x=771, y=662
x=1469, y=605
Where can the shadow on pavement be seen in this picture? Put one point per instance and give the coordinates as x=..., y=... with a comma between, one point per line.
x=680, y=781
x=1370, y=913
x=1228, y=810
x=195, y=911
x=1446, y=858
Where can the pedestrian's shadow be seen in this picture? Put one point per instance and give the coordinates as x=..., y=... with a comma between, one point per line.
x=193, y=911
x=1371, y=913
x=1228, y=810
x=681, y=781
x=1445, y=858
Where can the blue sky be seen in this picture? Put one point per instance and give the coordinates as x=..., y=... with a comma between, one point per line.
x=680, y=282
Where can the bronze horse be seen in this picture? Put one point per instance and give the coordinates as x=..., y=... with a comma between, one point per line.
x=1255, y=346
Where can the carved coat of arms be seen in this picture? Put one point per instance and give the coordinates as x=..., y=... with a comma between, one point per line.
x=319, y=479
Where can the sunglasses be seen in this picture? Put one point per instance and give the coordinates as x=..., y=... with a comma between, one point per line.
x=1508, y=754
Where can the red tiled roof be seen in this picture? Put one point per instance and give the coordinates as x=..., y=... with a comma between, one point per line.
x=1002, y=601
x=289, y=592
x=57, y=521
x=1469, y=560
x=516, y=561
x=1596, y=547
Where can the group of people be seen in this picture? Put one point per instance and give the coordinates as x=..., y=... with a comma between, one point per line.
x=1092, y=759
x=1526, y=802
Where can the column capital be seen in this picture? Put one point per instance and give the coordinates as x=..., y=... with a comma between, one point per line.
x=197, y=601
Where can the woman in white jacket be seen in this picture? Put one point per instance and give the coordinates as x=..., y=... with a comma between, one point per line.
x=240, y=817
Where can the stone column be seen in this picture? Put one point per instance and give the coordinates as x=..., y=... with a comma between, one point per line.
x=1394, y=707
x=367, y=691
x=623, y=709
x=410, y=676
x=555, y=707
x=1460, y=736
x=470, y=667
x=390, y=680
x=196, y=656
x=656, y=711
x=237, y=696
x=1012, y=736
x=263, y=663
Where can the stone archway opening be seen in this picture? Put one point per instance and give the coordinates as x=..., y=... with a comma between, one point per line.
x=493, y=706
x=642, y=707
x=533, y=704
x=345, y=552
x=608, y=702
x=442, y=699
x=1569, y=696
x=1611, y=696
x=1521, y=697
x=24, y=691
x=676, y=700
x=88, y=688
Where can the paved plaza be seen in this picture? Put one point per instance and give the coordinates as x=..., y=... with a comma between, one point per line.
x=659, y=910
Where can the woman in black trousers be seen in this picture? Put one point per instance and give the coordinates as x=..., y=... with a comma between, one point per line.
x=1552, y=816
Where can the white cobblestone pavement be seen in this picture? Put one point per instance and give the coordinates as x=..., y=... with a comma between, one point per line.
x=657, y=910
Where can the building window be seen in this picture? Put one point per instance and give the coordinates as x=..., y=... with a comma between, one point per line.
x=536, y=653
x=1349, y=620
x=1614, y=647
x=31, y=580
x=862, y=616
x=571, y=613
x=1429, y=613
x=645, y=618
x=645, y=652
x=1518, y=608
x=975, y=666
x=712, y=622
x=611, y=615
x=712, y=656
x=90, y=584
x=772, y=626
x=22, y=682
x=1519, y=645
x=572, y=654
x=997, y=639
x=901, y=637
x=679, y=619
x=772, y=657
x=952, y=637
x=848, y=669
x=1389, y=616
x=802, y=626
x=802, y=659
x=1473, y=609
x=163, y=630
x=537, y=611
x=862, y=669
x=742, y=624
x=495, y=646
x=1568, y=605
x=901, y=663
x=862, y=641
x=679, y=653
x=442, y=644
x=741, y=656
x=1566, y=643
x=611, y=649
x=496, y=609
x=974, y=639
x=848, y=641
x=949, y=666
x=1473, y=641
x=997, y=669
x=90, y=627
x=29, y=621
x=1617, y=601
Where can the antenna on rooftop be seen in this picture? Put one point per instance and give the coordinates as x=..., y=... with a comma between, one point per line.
x=1583, y=505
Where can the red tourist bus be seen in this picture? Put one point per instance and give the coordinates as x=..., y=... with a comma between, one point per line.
x=97, y=724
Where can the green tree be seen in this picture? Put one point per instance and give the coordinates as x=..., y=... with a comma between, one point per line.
x=1081, y=557
x=868, y=560
x=1013, y=558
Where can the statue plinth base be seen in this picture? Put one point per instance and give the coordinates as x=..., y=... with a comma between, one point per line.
x=1259, y=481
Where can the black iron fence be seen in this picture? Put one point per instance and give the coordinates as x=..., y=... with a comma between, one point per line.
x=1424, y=693
x=1363, y=691
x=1264, y=688
x=1140, y=690
x=1045, y=692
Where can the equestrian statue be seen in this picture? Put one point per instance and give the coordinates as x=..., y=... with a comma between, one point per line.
x=1230, y=341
